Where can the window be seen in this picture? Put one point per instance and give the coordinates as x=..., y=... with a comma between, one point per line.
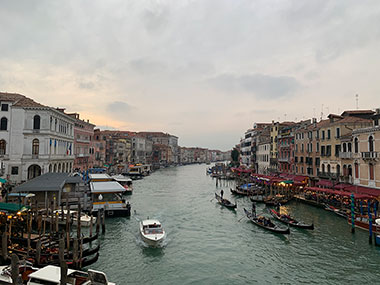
x=337, y=149
x=356, y=145
x=328, y=168
x=3, y=124
x=323, y=135
x=344, y=147
x=338, y=170
x=317, y=149
x=328, y=150
x=4, y=107
x=36, y=122
x=323, y=168
x=14, y=170
x=35, y=147
x=370, y=144
x=323, y=150
x=317, y=161
x=317, y=134
x=328, y=134
x=349, y=148
x=356, y=170
x=371, y=172
x=338, y=132
x=3, y=146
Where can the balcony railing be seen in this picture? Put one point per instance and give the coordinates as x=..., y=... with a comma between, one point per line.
x=370, y=155
x=284, y=159
x=345, y=155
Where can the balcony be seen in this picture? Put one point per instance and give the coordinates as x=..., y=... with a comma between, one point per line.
x=370, y=155
x=284, y=159
x=82, y=141
x=327, y=175
x=345, y=155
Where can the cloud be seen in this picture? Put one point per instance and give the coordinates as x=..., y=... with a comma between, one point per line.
x=259, y=85
x=119, y=108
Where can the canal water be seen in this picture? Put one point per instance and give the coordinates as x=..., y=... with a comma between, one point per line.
x=209, y=244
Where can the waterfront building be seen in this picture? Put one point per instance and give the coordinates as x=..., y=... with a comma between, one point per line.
x=34, y=139
x=366, y=154
x=160, y=138
x=333, y=135
x=138, y=149
x=83, y=144
x=263, y=155
x=246, y=148
x=275, y=129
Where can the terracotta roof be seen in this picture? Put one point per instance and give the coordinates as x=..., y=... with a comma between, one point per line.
x=354, y=120
x=19, y=100
x=355, y=112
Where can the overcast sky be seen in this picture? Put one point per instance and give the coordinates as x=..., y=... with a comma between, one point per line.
x=202, y=70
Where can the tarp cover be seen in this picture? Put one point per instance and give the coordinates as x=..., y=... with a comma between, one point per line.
x=106, y=187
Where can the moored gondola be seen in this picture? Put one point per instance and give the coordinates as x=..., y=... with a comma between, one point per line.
x=225, y=202
x=290, y=221
x=241, y=192
x=266, y=223
x=257, y=199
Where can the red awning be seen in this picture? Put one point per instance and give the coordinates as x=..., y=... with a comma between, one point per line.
x=340, y=193
x=363, y=190
x=341, y=186
x=325, y=183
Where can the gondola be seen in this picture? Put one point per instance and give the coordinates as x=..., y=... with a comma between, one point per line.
x=290, y=221
x=225, y=202
x=241, y=192
x=269, y=225
x=340, y=212
x=257, y=199
x=274, y=201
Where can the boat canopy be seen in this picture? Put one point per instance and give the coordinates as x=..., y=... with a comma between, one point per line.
x=151, y=222
x=49, y=273
x=121, y=178
x=106, y=187
x=23, y=195
x=99, y=177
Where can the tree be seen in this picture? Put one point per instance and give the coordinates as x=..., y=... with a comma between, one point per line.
x=235, y=156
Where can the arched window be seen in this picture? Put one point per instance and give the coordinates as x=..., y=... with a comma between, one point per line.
x=356, y=145
x=338, y=170
x=344, y=147
x=3, y=147
x=356, y=170
x=50, y=168
x=350, y=170
x=349, y=147
x=323, y=168
x=63, y=167
x=35, y=147
x=3, y=124
x=328, y=168
x=345, y=170
x=55, y=168
x=59, y=167
x=370, y=143
x=371, y=172
x=36, y=122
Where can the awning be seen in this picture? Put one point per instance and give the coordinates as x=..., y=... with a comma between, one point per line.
x=363, y=190
x=325, y=183
x=340, y=193
x=106, y=187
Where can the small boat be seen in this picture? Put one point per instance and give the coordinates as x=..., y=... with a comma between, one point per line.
x=274, y=201
x=124, y=181
x=85, y=220
x=257, y=199
x=225, y=202
x=241, y=192
x=290, y=221
x=340, y=212
x=151, y=232
x=266, y=223
x=52, y=275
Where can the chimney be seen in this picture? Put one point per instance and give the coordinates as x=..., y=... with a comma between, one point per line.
x=378, y=111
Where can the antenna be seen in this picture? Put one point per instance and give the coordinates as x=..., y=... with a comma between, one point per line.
x=357, y=101
x=322, y=113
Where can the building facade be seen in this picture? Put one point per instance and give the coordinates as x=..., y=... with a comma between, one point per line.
x=34, y=139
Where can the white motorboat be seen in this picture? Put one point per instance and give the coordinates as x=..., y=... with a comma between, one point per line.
x=85, y=220
x=52, y=274
x=151, y=232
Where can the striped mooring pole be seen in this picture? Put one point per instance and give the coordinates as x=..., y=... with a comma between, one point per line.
x=352, y=213
x=370, y=222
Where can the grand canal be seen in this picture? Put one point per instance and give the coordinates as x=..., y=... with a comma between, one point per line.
x=207, y=244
